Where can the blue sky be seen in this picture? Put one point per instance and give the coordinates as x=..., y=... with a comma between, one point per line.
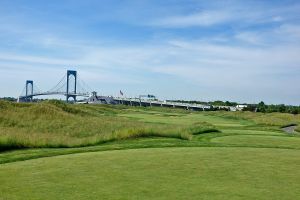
x=243, y=51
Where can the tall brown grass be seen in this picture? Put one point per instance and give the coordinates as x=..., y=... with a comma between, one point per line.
x=56, y=124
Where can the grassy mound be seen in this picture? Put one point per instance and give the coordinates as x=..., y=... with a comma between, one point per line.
x=56, y=124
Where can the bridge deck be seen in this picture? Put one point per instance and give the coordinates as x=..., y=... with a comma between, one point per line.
x=55, y=93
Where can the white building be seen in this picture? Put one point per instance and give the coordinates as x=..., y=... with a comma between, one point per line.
x=240, y=107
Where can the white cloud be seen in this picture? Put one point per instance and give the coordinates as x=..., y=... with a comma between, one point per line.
x=205, y=18
x=277, y=19
x=250, y=37
x=290, y=31
x=184, y=55
x=35, y=59
x=212, y=66
x=233, y=14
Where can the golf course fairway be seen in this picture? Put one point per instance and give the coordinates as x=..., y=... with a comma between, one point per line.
x=157, y=173
x=52, y=150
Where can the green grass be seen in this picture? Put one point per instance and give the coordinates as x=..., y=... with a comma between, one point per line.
x=270, y=119
x=187, y=118
x=55, y=124
x=52, y=150
x=163, y=173
x=269, y=141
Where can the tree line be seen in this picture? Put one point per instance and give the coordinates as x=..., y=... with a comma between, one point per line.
x=264, y=108
x=260, y=107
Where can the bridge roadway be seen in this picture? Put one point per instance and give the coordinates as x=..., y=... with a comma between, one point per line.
x=53, y=93
x=147, y=102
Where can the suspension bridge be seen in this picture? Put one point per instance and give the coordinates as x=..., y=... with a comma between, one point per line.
x=70, y=86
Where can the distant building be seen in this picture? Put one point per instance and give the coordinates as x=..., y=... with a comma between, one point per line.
x=149, y=97
x=94, y=99
x=240, y=107
x=232, y=108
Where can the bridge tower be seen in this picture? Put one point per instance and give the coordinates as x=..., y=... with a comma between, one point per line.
x=29, y=90
x=70, y=92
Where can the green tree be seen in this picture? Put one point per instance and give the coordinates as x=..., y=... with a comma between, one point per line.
x=261, y=107
x=282, y=108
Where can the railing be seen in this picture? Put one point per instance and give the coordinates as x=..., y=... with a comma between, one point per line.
x=162, y=102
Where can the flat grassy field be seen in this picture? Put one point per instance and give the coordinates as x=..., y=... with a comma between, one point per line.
x=162, y=173
x=52, y=150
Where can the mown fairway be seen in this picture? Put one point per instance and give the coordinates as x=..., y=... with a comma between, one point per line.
x=145, y=153
x=164, y=173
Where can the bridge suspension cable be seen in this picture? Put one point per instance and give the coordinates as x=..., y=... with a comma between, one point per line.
x=59, y=85
x=82, y=87
x=23, y=91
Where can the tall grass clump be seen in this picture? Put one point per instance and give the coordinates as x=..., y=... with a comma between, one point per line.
x=57, y=124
